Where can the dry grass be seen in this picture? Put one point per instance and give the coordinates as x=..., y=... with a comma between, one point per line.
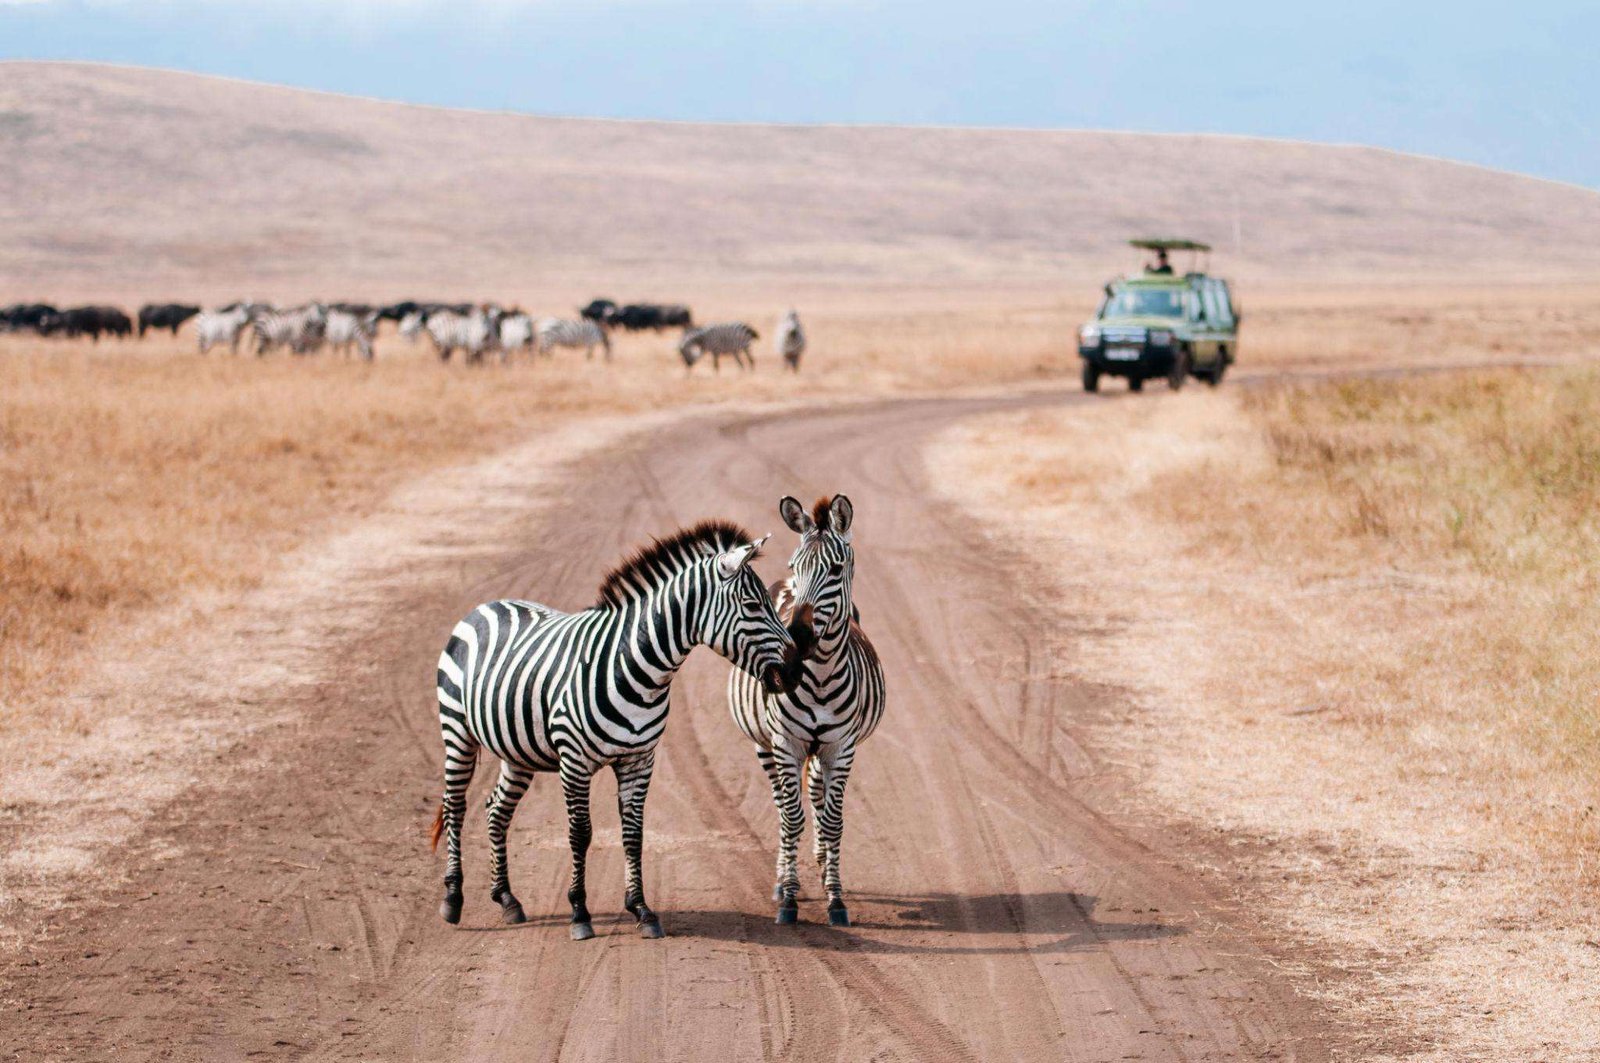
x=1359, y=616
x=133, y=473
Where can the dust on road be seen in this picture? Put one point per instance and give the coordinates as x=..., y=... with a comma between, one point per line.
x=285, y=907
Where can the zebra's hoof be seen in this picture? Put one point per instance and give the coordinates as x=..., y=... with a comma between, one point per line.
x=582, y=931
x=652, y=929
x=511, y=914
x=450, y=908
x=788, y=915
x=839, y=916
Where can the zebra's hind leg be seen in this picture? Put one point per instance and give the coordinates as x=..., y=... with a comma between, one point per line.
x=502, y=805
x=791, y=822
x=460, y=758
x=633, y=785
x=575, y=779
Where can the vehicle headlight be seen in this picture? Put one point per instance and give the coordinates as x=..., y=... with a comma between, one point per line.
x=1089, y=334
x=1160, y=338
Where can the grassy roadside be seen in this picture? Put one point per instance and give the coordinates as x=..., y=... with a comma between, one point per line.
x=133, y=473
x=1358, y=617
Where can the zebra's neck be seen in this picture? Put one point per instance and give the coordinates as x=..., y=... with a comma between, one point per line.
x=828, y=653
x=661, y=628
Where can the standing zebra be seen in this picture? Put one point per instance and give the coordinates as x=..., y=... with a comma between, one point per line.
x=559, y=332
x=222, y=325
x=791, y=340
x=300, y=329
x=729, y=338
x=574, y=693
x=347, y=328
x=834, y=703
x=474, y=333
x=516, y=332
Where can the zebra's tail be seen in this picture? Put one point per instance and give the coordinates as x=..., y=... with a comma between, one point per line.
x=437, y=830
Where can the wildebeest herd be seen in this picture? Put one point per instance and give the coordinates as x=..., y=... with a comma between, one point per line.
x=477, y=330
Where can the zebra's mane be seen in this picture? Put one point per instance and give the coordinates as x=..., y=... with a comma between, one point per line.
x=654, y=564
x=822, y=512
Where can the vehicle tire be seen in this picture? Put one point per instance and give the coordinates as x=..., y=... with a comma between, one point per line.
x=1136, y=383
x=1180, y=368
x=1214, y=377
x=1091, y=378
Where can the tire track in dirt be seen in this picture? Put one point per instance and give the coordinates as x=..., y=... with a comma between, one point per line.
x=984, y=891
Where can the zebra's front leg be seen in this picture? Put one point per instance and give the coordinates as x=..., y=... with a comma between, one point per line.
x=817, y=790
x=575, y=780
x=633, y=784
x=791, y=822
x=830, y=830
x=502, y=805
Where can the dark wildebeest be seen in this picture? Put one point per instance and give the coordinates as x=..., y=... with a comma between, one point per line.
x=90, y=321
x=675, y=315
x=636, y=317
x=600, y=311
x=19, y=316
x=164, y=315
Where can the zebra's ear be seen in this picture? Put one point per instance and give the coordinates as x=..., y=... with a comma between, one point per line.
x=794, y=515
x=729, y=562
x=840, y=515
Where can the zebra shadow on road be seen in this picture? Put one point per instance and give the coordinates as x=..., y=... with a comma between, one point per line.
x=936, y=924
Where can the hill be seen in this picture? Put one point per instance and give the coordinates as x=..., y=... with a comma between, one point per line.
x=121, y=180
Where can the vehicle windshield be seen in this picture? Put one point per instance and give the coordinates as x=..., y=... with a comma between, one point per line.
x=1144, y=302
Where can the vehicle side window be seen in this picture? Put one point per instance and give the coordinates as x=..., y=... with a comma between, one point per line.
x=1225, y=304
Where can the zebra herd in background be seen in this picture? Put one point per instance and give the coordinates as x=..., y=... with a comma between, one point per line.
x=576, y=693
x=475, y=330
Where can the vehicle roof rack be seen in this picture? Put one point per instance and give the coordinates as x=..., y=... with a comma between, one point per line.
x=1153, y=244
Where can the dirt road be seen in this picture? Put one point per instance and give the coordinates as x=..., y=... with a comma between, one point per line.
x=286, y=909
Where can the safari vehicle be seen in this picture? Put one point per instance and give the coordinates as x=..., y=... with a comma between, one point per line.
x=1162, y=324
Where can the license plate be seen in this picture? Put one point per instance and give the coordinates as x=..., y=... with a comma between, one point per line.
x=1123, y=354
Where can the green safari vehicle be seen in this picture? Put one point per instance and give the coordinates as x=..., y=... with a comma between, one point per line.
x=1162, y=324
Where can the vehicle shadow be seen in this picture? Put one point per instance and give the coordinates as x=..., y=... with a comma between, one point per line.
x=938, y=924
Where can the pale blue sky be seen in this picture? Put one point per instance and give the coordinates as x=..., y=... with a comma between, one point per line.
x=1510, y=86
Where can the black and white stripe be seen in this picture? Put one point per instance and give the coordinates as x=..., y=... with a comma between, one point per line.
x=516, y=332
x=300, y=329
x=791, y=340
x=473, y=333
x=727, y=338
x=560, y=332
x=834, y=703
x=546, y=691
x=350, y=328
x=223, y=325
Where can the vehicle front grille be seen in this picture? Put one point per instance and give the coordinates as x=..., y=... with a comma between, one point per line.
x=1123, y=335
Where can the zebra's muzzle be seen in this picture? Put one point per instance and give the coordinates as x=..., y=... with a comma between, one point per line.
x=777, y=680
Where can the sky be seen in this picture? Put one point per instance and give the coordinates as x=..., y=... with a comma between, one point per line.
x=1513, y=87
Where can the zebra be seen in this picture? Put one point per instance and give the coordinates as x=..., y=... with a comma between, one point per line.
x=573, y=693
x=347, y=328
x=791, y=340
x=474, y=333
x=834, y=703
x=516, y=332
x=300, y=329
x=560, y=332
x=410, y=326
x=730, y=338
x=223, y=325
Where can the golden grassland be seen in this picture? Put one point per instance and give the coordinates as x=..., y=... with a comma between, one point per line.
x=133, y=472
x=1359, y=615
x=130, y=473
